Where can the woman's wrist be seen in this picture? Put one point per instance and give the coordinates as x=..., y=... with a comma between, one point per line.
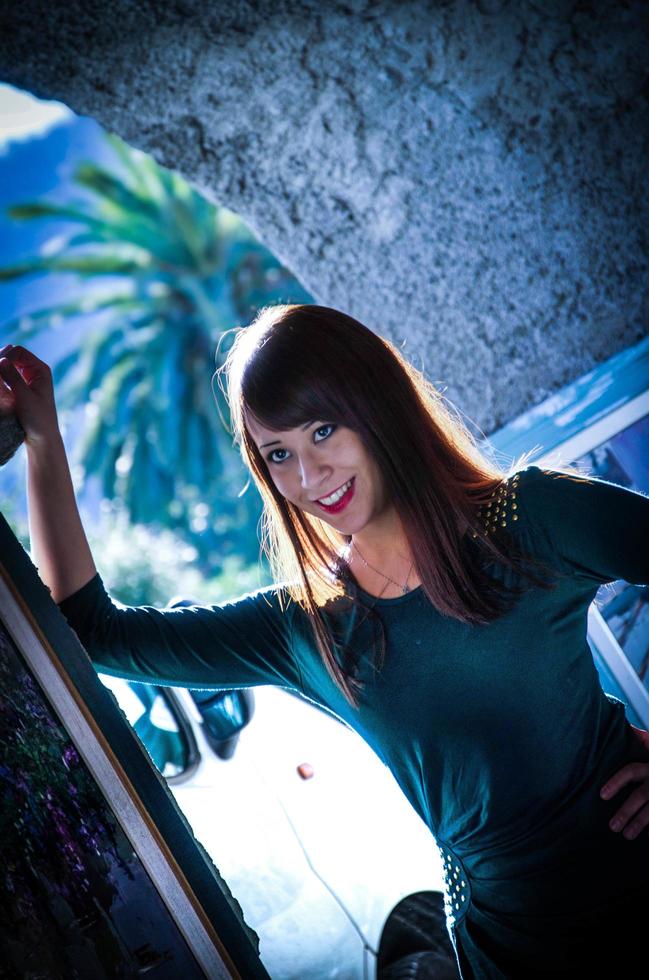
x=49, y=443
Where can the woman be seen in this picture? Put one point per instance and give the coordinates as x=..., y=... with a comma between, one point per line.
x=433, y=602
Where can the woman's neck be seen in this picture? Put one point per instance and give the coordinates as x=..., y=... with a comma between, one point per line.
x=381, y=560
x=384, y=540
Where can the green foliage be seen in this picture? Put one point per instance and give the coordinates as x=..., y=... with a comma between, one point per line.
x=177, y=274
x=150, y=565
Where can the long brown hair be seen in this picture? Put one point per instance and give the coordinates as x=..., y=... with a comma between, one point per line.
x=302, y=363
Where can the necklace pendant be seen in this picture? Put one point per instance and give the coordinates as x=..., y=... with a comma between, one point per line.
x=404, y=587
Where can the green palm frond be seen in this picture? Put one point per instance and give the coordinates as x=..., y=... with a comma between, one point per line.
x=26, y=326
x=116, y=197
x=83, y=265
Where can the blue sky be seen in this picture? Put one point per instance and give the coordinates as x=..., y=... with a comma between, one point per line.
x=40, y=145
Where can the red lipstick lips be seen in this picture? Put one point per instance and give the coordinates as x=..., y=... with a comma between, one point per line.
x=342, y=503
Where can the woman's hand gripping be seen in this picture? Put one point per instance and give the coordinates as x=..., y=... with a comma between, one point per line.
x=26, y=389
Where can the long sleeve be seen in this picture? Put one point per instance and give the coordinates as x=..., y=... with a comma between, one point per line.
x=587, y=527
x=238, y=644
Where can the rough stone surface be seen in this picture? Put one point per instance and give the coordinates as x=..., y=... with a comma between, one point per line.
x=467, y=176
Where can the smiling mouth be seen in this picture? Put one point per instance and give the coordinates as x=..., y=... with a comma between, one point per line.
x=339, y=499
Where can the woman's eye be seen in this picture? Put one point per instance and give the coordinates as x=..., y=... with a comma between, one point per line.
x=273, y=456
x=327, y=429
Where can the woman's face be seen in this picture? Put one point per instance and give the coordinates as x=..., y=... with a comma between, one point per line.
x=325, y=470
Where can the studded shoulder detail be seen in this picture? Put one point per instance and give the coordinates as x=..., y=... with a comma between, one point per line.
x=501, y=507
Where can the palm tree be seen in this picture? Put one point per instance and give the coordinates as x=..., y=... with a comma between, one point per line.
x=177, y=273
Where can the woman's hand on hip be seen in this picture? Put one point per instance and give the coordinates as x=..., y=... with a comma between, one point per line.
x=26, y=389
x=633, y=816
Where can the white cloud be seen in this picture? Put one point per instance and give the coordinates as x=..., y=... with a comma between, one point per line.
x=22, y=116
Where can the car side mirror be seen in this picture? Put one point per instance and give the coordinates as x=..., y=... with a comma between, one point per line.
x=224, y=714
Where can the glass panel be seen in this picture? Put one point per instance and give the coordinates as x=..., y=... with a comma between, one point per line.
x=624, y=459
x=611, y=685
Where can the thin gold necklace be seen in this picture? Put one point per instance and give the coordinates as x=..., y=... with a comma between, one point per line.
x=404, y=588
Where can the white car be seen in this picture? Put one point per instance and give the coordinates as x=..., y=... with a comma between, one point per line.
x=306, y=825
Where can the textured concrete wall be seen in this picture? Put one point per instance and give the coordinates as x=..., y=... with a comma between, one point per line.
x=470, y=177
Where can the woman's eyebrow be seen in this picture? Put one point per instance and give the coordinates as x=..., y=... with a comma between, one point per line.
x=275, y=441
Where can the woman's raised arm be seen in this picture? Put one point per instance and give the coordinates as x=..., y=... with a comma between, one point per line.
x=59, y=545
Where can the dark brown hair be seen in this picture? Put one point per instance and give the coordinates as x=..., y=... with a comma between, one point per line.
x=295, y=364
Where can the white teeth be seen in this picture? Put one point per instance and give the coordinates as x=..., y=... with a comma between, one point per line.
x=328, y=501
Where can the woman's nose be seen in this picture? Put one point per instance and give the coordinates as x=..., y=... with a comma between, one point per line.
x=313, y=472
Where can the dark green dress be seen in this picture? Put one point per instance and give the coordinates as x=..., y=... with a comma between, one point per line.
x=499, y=735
